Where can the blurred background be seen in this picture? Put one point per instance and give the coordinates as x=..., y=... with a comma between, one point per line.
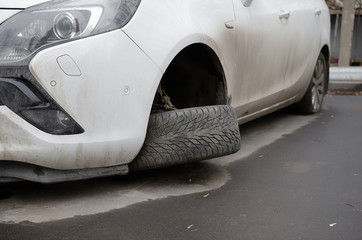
x=346, y=32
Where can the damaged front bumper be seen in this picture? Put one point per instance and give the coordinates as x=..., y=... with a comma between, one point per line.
x=16, y=171
x=93, y=84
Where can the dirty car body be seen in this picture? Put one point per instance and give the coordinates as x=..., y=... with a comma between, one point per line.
x=78, y=78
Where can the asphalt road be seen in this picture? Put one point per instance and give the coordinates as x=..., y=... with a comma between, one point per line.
x=296, y=177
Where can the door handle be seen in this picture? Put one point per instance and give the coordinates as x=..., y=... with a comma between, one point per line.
x=230, y=24
x=284, y=15
x=317, y=12
x=246, y=3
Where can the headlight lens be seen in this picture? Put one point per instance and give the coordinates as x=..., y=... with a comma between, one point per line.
x=65, y=26
x=59, y=21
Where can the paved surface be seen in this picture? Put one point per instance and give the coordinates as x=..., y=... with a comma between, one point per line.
x=297, y=177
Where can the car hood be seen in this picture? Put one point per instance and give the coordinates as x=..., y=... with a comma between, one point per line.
x=11, y=7
x=19, y=4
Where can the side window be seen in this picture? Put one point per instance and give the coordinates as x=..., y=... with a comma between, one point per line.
x=246, y=3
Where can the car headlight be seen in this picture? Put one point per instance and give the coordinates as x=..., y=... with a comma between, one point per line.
x=58, y=21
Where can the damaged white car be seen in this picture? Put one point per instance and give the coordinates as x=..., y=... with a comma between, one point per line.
x=93, y=88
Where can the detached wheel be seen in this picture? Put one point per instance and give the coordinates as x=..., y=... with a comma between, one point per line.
x=313, y=98
x=188, y=135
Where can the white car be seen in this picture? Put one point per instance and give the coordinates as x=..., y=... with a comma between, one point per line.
x=93, y=88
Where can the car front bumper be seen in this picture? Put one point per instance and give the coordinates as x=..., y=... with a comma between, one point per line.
x=106, y=84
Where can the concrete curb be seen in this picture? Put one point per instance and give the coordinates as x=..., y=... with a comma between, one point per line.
x=345, y=78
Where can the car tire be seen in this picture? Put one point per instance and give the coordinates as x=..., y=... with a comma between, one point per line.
x=313, y=98
x=188, y=135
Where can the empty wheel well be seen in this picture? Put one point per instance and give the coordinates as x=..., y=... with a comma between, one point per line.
x=194, y=78
x=325, y=52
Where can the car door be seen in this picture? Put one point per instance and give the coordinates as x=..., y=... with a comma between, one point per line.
x=304, y=28
x=263, y=46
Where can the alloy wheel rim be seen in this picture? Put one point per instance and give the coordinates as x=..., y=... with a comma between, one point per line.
x=318, y=85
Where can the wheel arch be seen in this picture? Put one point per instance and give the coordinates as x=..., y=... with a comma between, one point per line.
x=195, y=77
x=326, y=53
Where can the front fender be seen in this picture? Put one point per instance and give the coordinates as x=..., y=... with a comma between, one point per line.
x=188, y=22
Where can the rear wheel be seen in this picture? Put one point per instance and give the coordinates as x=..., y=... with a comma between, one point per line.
x=188, y=135
x=313, y=98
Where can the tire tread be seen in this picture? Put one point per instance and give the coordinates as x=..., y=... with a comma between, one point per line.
x=188, y=135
